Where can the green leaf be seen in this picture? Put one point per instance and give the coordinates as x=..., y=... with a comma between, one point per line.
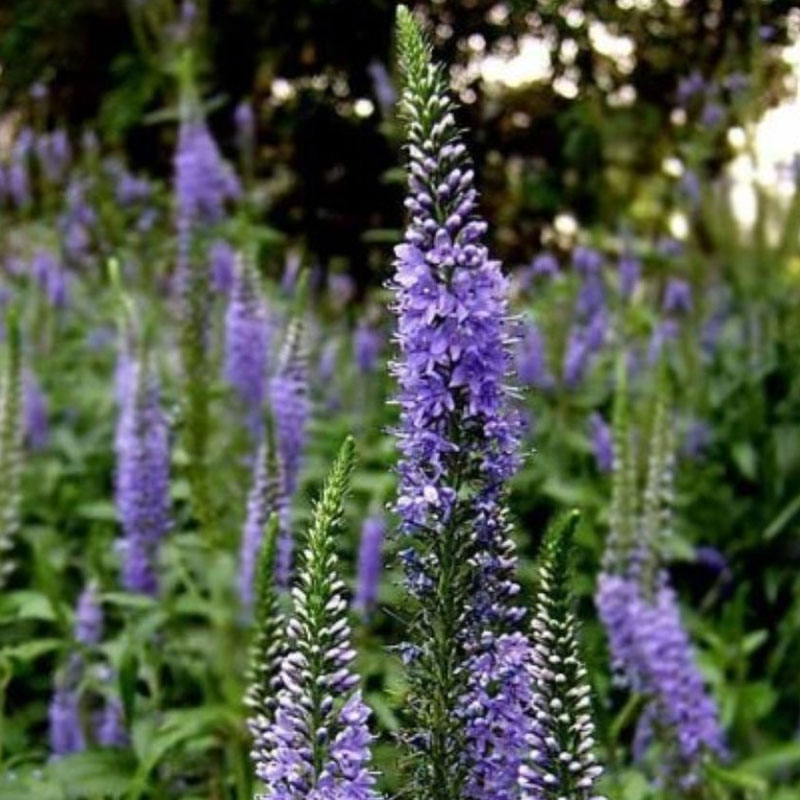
x=30, y=651
x=26, y=604
x=96, y=773
x=777, y=759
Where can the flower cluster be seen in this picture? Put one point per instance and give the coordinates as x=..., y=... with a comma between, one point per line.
x=263, y=502
x=247, y=341
x=317, y=747
x=370, y=566
x=651, y=651
x=142, y=476
x=456, y=430
x=290, y=405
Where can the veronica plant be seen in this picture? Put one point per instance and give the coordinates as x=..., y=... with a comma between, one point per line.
x=263, y=502
x=458, y=442
x=11, y=450
x=247, y=341
x=204, y=182
x=289, y=401
x=317, y=747
x=650, y=647
x=561, y=764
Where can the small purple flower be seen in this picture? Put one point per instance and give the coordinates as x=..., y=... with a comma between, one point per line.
x=382, y=86
x=545, y=265
x=51, y=277
x=576, y=358
x=737, y=82
x=367, y=343
x=370, y=564
x=629, y=271
x=142, y=478
x=110, y=728
x=342, y=289
x=711, y=557
x=291, y=271
x=677, y=297
x=689, y=188
x=37, y=430
x=602, y=445
x=244, y=119
x=88, y=627
x=222, y=258
x=247, y=342
x=712, y=115
x=53, y=153
x=531, y=358
x=664, y=332
x=690, y=87
x=586, y=260
x=66, y=730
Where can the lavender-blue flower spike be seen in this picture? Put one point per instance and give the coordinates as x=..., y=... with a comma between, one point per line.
x=458, y=441
x=289, y=398
x=318, y=745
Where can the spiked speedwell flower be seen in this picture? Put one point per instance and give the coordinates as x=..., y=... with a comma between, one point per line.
x=650, y=648
x=142, y=479
x=289, y=399
x=457, y=436
x=317, y=748
x=561, y=764
x=262, y=502
x=246, y=341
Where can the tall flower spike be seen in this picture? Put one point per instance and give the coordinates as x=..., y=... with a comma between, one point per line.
x=289, y=399
x=318, y=746
x=561, y=764
x=263, y=501
x=370, y=564
x=650, y=647
x=457, y=436
x=247, y=340
x=204, y=182
x=142, y=480
x=11, y=437
x=266, y=649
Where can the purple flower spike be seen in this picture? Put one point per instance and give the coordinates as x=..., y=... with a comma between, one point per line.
x=247, y=342
x=602, y=445
x=37, y=430
x=677, y=297
x=222, y=258
x=532, y=369
x=89, y=616
x=110, y=728
x=586, y=260
x=367, y=343
x=370, y=564
x=142, y=479
x=66, y=732
x=629, y=270
x=545, y=265
x=263, y=500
